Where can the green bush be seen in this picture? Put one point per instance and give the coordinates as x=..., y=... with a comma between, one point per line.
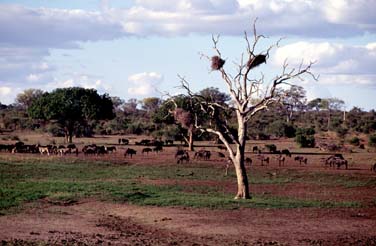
x=281, y=129
x=372, y=140
x=354, y=141
x=305, y=137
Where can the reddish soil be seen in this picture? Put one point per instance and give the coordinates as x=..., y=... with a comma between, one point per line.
x=97, y=223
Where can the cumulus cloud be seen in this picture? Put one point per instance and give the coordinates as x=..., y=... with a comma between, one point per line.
x=321, y=18
x=54, y=28
x=336, y=63
x=144, y=84
x=7, y=94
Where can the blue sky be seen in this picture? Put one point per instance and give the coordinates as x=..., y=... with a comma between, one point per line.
x=136, y=49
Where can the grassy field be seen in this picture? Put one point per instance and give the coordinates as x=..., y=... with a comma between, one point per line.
x=64, y=180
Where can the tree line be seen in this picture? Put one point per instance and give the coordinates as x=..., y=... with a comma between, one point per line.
x=79, y=112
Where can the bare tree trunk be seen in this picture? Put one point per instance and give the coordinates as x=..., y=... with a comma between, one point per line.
x=241, y=173
x=242, y=179
x=190, y=140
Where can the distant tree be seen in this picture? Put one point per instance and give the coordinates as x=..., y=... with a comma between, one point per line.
x=331, y=104
x=117, y=102
x=294, y=99
x=130, y=107
x=150, y=104
x=327, y=104
x=27, y=97
x=71, y=108
x=315, y=104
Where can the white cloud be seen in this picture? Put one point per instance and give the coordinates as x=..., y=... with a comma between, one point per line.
x=144, y=84
x=321, y=18
x=336, y=63
x=4, y=90
x=53, y=28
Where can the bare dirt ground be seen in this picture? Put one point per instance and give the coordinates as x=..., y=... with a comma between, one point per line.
x=97, y=223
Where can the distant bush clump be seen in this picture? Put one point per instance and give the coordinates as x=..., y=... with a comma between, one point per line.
x=372, y=140
x=305, y=137
x=281, y=129
x=354, y=141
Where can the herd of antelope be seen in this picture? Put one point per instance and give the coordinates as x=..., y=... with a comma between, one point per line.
x=181, y=156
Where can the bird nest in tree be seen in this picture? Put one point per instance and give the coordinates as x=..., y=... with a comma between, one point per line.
x=217, y=63
x=256, y=60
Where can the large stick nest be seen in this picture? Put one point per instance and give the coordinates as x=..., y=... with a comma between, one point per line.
x=217, y=63
x=256, y=60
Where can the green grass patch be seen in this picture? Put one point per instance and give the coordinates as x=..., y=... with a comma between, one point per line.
x=30, y=179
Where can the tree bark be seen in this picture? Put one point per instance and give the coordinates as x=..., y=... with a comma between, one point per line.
x=241, y=172
x=190, y=140
x=242, y=179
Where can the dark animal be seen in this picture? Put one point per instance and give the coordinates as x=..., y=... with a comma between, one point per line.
x=124, y=141
x=281, y=160
x=158, y=149
x=339, y=162
x=202, y=154
x=111, y=149
x=301, y=159
x=286, y=152
x=263, y=159
x=331, y=159
x=271, y=147
x=180, y=152
x=255, y=149
x=248, y=161
x=220, y=154
x=183, y=157
x=146, y=150
x=373, y=167
x=130, y=152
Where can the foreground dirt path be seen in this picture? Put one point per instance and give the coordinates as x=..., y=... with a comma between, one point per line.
x=98, y=223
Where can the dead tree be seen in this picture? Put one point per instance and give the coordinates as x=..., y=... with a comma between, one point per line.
x=247, y=100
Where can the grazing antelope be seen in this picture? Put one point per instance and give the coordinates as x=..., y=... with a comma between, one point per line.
x=130, y=152
x=281, y=160
x=286, y=152
x=146, y=150
x=202, y=154
x=182, y=158
x=263, y=159
x=301, y=159
x=110, y=149
x=44, y=150
x=373, y=167
x=339, y=162
x=248, y=161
